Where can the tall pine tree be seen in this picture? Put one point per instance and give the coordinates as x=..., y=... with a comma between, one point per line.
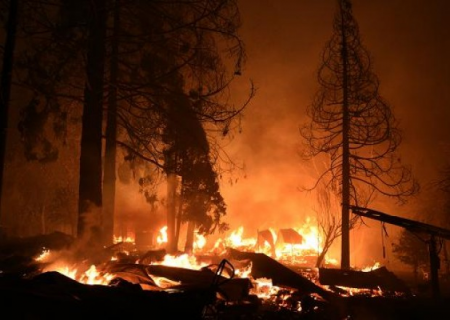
x=354, y=126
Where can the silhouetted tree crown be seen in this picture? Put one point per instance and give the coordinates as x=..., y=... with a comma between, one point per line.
x=352, y=125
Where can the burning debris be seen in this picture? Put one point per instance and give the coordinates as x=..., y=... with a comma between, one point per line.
x=51, y=275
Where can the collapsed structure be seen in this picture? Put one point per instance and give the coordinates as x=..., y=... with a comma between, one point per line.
x=120, y=281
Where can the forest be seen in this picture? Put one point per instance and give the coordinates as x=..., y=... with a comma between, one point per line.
x=101, y=93
x=118, y=100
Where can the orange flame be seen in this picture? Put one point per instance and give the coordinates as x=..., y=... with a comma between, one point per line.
x=162, y=237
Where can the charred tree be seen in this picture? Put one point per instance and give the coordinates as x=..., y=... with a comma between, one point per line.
x=177, y=75
x=50, y=74
x=193, y=194
x=5, y=89
x=109, y=175
x=203, y=206
x=90, y=188
x=329, y=223
x=354, y=126
x=172, y=186
x=158, y=40
x=50, y=70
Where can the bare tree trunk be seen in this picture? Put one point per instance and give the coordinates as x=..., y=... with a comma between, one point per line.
x=178, y=216
x=90, y=188
x=189, y=246
x=5, y=87
x=350, y=119
x=109, y=180
x=172, y=184
x=345, y=250
x=327, y=244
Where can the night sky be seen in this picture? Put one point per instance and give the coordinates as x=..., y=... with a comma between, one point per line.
x=409, y=42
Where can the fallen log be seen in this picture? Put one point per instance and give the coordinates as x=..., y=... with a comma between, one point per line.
x=379, y=278
x=183, y=275
x=230, y=288
x=265, y=267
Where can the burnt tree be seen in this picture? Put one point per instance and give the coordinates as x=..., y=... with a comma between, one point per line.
x=329, y=223
x=109, y=167
x=411, y=249
x=353, y=126
x=5, y=85
x=180, y=70
x=90, y=188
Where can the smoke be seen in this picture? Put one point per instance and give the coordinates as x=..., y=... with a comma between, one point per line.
x=91, y=237
x=410, y=46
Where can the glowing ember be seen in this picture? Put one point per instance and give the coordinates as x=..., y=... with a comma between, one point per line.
x=263, y=288
x=244, y=272
x=164, y=282
x=44, y=255
x=119, y=239
x=183, y=261
x=377, y=265
x=366, y=292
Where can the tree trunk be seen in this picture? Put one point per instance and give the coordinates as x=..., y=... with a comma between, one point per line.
x=5, y=88
x=90, y=188
x=189, y=246
x=434, y=268
x=178, y=215
x=345, y=244
x=109, y=180
x=447, y=266
x=327, y=244
x=172, y=184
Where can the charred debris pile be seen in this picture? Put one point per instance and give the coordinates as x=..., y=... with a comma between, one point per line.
x=137, y=284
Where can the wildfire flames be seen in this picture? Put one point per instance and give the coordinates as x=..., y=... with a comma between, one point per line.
x=307, y=242
x=287, y=245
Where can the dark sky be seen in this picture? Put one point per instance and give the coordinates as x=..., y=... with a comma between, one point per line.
x=410, y=45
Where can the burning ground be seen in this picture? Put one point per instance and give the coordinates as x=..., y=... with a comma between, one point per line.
x=54, y=276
